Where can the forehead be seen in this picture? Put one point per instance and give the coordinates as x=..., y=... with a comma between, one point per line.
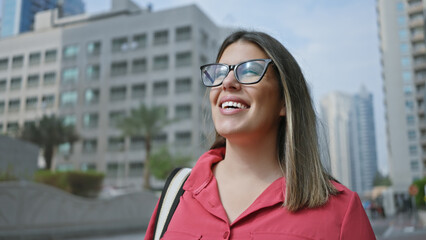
x=241, y=51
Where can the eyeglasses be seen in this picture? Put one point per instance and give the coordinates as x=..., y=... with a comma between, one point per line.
x=248, y=72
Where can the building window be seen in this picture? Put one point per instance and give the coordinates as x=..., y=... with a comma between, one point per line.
x=50, y=56
x=47, y=101
x=118, y=68
x=139, y=41
x=402, y=21
x=161, y=88
x=49, y=79
x=69, y=76
x=136, y=169
x=409, y=105
x=139, y=65
x=183, y=85
x=70, y=52
x=90, y=145
x=183, y=33
x=12, y=127
x=69, y=120
x=159, y=140
x=4, y=62
x=93, y=72
x=91, y=96
x=411, y=134
x=204, y=38
x=87, y=166
x=408, y=90
x=406, y=76
x=35, y=58
x=413, y=150
x=64, y=149
x=117, y=94
x=14, y=105
x=410, y=120
x=2, y=109
x=119, y=44
x=31, y=103
x=115, y=144
x=69, y=99
x=90, y=120
x=405, y=62
x=161, y=37
x=94, y=48
x=183, y=112
x=403, y=34
x=115, y=117
x=404, y=48
x=32, y=81
x=400, y=6
x=137, y=143
x=183, y=59
x=183, y=138
x=17, y=61
x=203, y=60
x=15, y=83
x=161, y=62
x=138, y=91
x=3, y=85
x=115, y=170
x=414, y=165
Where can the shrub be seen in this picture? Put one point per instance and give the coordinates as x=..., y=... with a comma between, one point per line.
x=420, y=197
x=162, y=163
x=84, y=184
x=7, y=175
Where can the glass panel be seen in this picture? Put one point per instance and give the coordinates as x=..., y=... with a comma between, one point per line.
x=50, y=56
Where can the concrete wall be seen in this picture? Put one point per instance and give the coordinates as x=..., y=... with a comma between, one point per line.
x=18, y=157
x=34, y=211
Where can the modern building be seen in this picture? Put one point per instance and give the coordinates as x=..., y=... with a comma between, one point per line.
x=335, y=114
x=92, y=70
x=349, y=121
x=363, y=137
x=403, y=57
x=18, y=15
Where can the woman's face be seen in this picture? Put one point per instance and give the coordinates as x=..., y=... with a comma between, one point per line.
x=259, y=106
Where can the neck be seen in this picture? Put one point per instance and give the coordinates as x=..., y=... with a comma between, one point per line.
x=248, y=159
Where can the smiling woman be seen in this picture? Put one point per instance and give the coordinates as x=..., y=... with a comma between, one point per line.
x=262, y=178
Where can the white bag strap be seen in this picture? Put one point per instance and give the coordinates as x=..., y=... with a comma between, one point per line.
x=170, y=197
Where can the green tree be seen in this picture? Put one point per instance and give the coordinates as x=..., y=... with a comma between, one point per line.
x=162, y=163
x=48, y=134
x=146, y=122
x=380, y=180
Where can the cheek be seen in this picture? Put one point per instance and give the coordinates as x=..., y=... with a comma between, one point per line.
x=213, y=96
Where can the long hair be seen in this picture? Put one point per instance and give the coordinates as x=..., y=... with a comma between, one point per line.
x=308, y=185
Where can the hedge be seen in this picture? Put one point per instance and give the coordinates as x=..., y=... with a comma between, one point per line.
x=84, y=184
x=420, y=197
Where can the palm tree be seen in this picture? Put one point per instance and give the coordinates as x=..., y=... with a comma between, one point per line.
x=48, y=134
x=147, y=123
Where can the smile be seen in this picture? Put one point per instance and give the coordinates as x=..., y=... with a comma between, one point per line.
x=231, y=104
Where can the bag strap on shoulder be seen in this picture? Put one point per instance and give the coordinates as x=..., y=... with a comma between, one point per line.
x=169, y=200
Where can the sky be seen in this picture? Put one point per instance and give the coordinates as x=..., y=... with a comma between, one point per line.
x=335, y=42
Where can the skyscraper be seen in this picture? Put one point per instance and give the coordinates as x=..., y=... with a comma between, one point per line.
x=363, y=142
x=335, y=113
x=403, y=58
x=349, y=121
x=18, y=15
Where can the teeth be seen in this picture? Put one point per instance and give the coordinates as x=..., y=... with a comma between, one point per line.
x=233, y=104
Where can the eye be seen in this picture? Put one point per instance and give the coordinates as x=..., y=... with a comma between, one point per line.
x=250, y=69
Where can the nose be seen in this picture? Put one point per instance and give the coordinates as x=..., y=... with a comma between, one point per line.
x=230, y=82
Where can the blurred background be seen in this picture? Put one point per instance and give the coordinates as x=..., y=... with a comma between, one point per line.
x=101, y=99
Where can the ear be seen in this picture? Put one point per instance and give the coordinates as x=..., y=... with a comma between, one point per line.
x=282, y=111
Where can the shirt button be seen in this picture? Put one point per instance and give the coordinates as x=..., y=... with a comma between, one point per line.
x=225, y=235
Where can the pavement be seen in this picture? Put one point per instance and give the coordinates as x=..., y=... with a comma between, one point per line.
x=404, y=226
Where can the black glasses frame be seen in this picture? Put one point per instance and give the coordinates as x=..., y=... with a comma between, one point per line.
x=231, y=68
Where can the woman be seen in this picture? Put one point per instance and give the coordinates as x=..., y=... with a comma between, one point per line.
x=262, y=178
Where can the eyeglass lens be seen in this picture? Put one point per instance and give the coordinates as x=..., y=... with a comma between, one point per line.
x=246, y=73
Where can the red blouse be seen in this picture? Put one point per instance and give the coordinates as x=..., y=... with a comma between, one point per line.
x=200, y=214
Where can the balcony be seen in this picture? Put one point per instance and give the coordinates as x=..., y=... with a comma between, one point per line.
x=419, y=51
x=415, y=8
x=418, y=22
x=419, y=65
x=417, y=37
